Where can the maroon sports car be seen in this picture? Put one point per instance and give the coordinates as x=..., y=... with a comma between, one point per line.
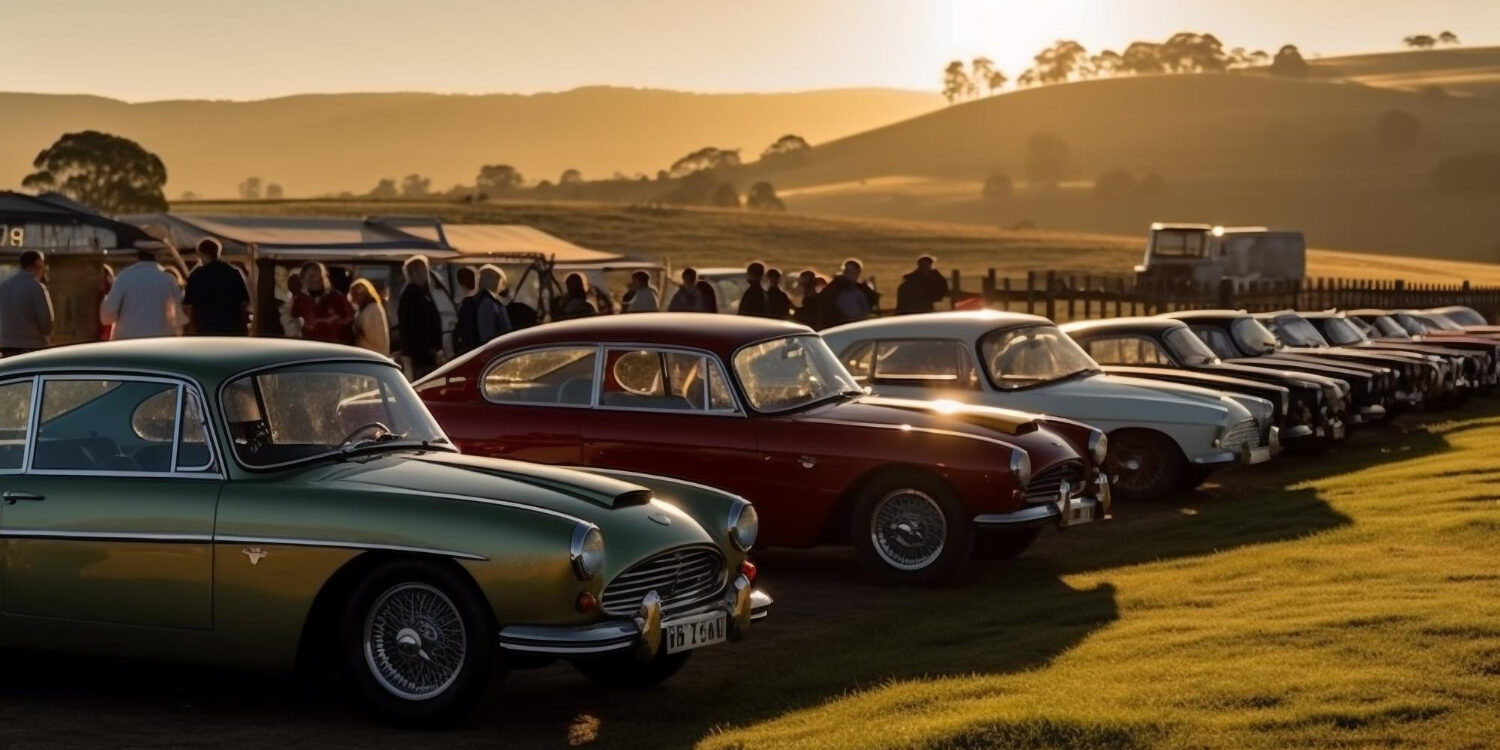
x=764, y=409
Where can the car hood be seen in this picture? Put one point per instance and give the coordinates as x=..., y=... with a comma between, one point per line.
x=1126, y=399
x=609, y=503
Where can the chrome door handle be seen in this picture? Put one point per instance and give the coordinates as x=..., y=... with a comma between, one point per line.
x=11, y=498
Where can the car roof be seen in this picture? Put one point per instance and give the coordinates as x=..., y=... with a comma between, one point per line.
x=1372, y=311
x=207, y=359
x=721, y=334
x=967, y=323
x=1205, y=314
x=1136, y=324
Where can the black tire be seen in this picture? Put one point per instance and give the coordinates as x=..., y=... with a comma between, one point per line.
x=1005, y=544
x=927, y=536
x=1193, y=476
x=1145, y=465
x=376, y=652
x=629, y=672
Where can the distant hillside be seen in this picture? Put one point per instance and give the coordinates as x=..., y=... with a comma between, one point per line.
x=1473, y=71
x=1241, y=149
x=317, y=144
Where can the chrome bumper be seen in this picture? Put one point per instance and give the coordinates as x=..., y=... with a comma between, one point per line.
x=1368, y=413
x=1065, y=511
x=1297, y=431
x=641, y=633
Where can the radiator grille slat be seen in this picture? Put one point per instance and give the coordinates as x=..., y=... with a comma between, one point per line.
x=1044, y=486
x=683, y=577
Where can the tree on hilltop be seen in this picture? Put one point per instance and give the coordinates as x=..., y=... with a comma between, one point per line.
x=498, y=179
x=1289, y=63
x=105, y=172
x=1447, y=37
x=956, y=82
x=1420, y=41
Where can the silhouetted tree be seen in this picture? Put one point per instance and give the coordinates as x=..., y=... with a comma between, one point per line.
x=1060, y=62
x=692, y=190
x=1027, y=79
x=385, y=190
x=762, y=197
x=956, y=82
x=498, y=179
x=1106, y=64
x=250, y=189
x=1398, y=130
x=787, y=149
x=570, y=177
x=707, y=158
x=274, y=192
x=1116, y=183
x=982, y=72
x=415, y=186
x=1047, y=158
x=725, y=196
x=105, y=172
x=997, y=186
x=1187, y=52
x=1420, y=41
x=1478, y=172
x=1289, y=63
x=1447, y=37
x=188, y=195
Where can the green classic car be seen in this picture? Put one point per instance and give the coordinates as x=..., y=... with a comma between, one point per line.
x=264, y=503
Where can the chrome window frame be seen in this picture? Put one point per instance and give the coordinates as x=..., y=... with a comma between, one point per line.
x=593, y=390
x=737, y=410
x=30, y=428
x=214, y=470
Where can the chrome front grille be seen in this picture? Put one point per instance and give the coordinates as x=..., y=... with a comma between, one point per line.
x=1044, y=486
x=1242, y=434
x=682, y=577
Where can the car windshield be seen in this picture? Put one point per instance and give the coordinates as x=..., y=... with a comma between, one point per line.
x=790, y=373
x=1252, y=337
x=301, y=412
x=1295, y=331
x=1341, y=332
x=1465, y=316
x=1022, y=357
x=1189, y=348
x=1439, y=321
x=1411, y=324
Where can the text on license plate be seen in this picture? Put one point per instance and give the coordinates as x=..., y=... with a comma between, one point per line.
x=696, y=631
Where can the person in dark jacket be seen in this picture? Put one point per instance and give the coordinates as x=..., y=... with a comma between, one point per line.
x=419, y=325
x=921, y=289
x=708, y=296
x=575, y=300
x=687, y=298
x=217, y=299
x=807, y=307
x=753, y=301
x=466, y=328
x=491, y=318
x=847, y=298
x=778, y=305
x=26, y=315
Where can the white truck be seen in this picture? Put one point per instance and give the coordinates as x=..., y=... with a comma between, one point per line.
x=1207, y=254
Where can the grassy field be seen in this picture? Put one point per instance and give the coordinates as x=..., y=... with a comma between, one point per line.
x=793, y=241
x=1349, y=601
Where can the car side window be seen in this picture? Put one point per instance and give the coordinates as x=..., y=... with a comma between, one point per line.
x=15, y=422
x=1105, y=351
x=924, y=363
x=126, y=426
x=560, y=375
x=858, y=361
x=1217, y=340
x=1128, y=350
x=667, y=380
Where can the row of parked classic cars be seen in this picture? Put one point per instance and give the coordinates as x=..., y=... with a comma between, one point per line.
x=590, y=491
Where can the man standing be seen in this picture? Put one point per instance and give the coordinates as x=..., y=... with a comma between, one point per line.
x=216, y=298
x=25, y=308
x=326, y=314
x=491, y=319
x=807, y=311
x=419, y=325
x=921, y=289
x=466, y=328
x=687, y=298
x=144, y=301
x=753, y=301
x=846, y=299
x=778, y=305
x=642, y=296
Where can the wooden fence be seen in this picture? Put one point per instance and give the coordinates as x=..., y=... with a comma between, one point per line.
x=1067, y=296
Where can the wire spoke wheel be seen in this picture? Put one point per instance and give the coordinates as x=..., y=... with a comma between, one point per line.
x=1137, y=462
x=415, y=642
x=908, y=529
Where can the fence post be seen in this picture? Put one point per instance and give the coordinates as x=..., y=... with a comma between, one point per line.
x=1004, y=293
x=1031, y=292
x=1052, y=296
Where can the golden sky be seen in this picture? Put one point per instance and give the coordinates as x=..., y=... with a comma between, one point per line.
x=141, y=50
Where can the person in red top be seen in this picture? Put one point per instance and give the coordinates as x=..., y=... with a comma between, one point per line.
x=326, y=315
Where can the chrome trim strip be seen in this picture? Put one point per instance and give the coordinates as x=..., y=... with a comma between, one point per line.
x=32, y=418
x=176, y=427
x=604, y=637
x=1033, y=514
x=124, y=474
x=337, y=544
x=99, y=536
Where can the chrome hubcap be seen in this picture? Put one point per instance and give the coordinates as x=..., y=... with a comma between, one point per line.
x=908, y=529
x=414, y=641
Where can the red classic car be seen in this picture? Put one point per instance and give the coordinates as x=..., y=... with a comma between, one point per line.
x=764, y=409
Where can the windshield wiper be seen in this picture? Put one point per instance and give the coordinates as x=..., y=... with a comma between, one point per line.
x=383, y=438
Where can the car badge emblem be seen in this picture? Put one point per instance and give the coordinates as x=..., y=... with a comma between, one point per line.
x=254, y=553
x=661, y=518
x=807, y=461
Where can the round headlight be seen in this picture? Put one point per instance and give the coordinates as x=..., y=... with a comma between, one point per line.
x=587, y=551
x=1098, y=446
x=744, y=525
x=1020, y=468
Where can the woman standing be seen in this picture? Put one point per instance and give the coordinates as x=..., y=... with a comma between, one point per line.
x=371, y=329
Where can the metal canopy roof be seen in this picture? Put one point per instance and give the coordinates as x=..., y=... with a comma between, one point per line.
x=296, y=238
x=501, y=241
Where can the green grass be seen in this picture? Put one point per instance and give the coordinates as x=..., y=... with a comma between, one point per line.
x=1352, y=601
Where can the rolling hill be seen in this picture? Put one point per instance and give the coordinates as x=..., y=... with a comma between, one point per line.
x=1234, y=149
x=318, y=144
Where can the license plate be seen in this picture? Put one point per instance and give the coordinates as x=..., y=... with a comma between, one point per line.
x=696, y=631
x=1258, y=455
x=1081, y=513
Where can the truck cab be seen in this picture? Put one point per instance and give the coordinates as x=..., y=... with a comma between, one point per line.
x=1206, y=254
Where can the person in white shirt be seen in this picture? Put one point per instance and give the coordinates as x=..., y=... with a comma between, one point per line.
x=642, y=296
x=371, y=329
x=145, y=300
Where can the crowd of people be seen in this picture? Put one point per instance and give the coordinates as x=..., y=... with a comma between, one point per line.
x=147, y=299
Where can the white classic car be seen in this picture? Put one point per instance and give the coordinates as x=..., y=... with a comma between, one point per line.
x=1162, y=436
